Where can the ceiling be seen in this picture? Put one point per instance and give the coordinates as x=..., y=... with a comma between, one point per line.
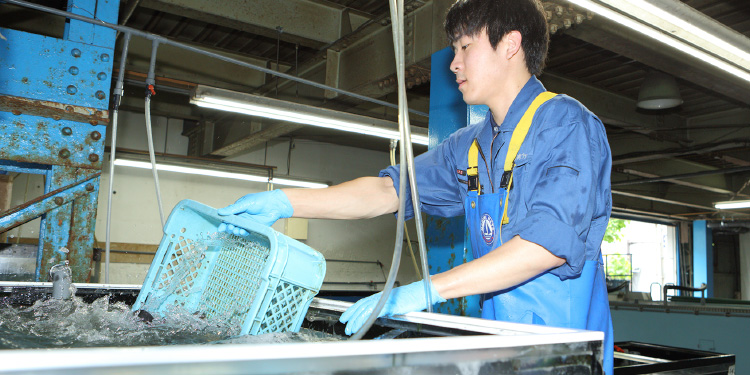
x=669, y=164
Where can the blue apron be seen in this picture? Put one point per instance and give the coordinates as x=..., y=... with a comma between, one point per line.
x=579, y=303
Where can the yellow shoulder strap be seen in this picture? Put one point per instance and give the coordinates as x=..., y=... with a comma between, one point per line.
x=472, y=172
x=519, y=134
x=516, y=140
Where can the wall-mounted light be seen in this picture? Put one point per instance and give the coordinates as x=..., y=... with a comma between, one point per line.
x=253, y=105
x=671, y=30
x=220, y=174
x=732, y=205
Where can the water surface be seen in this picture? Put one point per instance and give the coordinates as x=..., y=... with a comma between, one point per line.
x=73, y=323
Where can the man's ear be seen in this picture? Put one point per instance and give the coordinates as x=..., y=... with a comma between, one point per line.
x=513, y=39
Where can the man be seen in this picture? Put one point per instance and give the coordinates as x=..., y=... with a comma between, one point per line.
x=537, y=204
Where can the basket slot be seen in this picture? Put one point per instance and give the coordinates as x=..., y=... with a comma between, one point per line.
x=235, y=279
x=283, y=312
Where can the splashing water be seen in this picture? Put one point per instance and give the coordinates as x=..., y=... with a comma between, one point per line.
x=73, y=323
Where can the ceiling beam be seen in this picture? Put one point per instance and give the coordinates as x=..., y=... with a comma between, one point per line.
x=681, y=176
x=255, y=139
x=662, y=200
x=678, y=182
x=359, y=61
x=623, y=41
x=367, y=66
x=641, y=156
x=305, y=22
x=613, y=108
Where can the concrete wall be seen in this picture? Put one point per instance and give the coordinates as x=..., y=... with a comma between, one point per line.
x=135, y=215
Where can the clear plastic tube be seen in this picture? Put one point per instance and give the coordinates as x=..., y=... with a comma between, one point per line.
x=153, y=159
x=394, y=144
x=150, y=81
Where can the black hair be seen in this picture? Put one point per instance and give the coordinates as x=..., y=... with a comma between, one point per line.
x=498, y=18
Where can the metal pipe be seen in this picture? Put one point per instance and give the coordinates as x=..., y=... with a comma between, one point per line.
x=150, y=78
x=61, y=281
x=118, y=93
x=681, y=288
x=166, y=41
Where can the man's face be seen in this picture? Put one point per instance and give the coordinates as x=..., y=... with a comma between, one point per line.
x=479, y=68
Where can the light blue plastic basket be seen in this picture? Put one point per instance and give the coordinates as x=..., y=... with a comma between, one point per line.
x=257, y=284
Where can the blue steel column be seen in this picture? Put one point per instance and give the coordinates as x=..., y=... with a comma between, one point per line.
x=703, y=257
x=446, y=238
x=54, y=97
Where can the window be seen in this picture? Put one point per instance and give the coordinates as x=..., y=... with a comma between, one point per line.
x=643, y=254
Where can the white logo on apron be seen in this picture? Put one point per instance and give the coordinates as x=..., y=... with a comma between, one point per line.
x=487, y=226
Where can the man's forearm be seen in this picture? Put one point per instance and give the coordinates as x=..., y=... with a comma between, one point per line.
x=362, y=198
x=511, y=264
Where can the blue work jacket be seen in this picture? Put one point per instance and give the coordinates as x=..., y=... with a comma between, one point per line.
x=560, y=199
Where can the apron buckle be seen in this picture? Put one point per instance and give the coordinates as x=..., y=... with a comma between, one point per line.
x=505, y=179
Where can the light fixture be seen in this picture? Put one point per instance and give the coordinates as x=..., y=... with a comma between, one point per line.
x=221, y=174
x=732, y=205
x=254, y=105
x=659, y=91
x=663, y=29
x=665, y=19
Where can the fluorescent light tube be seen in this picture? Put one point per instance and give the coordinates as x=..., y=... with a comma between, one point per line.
x=681, y=28
x=730, y=205
x=213, y=173
x=661, y=37
x=254, y=105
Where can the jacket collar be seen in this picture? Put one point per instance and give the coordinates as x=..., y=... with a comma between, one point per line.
x=520, y=104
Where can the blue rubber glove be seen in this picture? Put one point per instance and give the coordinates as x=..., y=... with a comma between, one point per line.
x=402, y=300
x=265, y=207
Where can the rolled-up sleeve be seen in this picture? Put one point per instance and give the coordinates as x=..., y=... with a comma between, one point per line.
x=561, y=192
x=437, y=184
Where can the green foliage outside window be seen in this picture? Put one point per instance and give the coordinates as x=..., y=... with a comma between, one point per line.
x=614, y=227
x=618, y=265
